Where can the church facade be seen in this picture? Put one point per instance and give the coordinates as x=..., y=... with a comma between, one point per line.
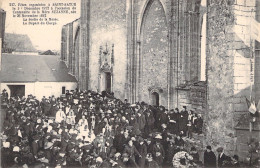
x=141, y=50
x=150, y=50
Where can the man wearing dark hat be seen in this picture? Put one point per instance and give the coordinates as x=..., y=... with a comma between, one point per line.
x=142, y=148
x=149, y=118
x=158, y=151
x=149, y=145
x=199, y=124
x=169, y=152
x=128, y=162
x=140, y=119
x=119, y=141
x=194, y=153
x=173, y=122
x=179, y=141
x=35, y=145
x=209, y=158
x=164, y=118
x=5, y=95
x=131, y=150
x=183, y=120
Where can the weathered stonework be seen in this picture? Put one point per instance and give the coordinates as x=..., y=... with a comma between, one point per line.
x=154, y=53
x=228, y=70
x=193, y=95
x=182, y=22
x=156, y=45
x=108, y=27
x=70, y=47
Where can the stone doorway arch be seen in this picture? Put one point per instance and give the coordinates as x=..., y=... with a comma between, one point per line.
x=155, y=99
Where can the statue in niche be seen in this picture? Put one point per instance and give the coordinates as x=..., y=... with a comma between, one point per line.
x=106, y=59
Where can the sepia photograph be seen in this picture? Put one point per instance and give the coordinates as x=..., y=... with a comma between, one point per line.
x=129, y=83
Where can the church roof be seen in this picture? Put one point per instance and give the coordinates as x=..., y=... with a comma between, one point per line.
x=48, y=52
x=30, y=68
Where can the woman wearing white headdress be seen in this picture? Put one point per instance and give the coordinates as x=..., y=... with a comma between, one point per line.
x=71, y=117
x=83, y=121
x=107, y=129
x=84, y=132
x=93, y=121
x=60, y=116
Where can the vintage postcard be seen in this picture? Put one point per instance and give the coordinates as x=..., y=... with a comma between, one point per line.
x=130, y=83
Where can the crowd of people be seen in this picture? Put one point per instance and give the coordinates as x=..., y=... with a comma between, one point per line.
x=86, y=128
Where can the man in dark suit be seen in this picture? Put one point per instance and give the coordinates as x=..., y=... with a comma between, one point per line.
x=142, y=149
x=149, y=121
x=222, y=158
x=158, y=151
x=209, y=158
x=5, y=95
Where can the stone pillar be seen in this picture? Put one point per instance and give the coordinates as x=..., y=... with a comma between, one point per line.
x=70, y=47
x=173, y=55
x=129, y=80
x=84, y=45
x=0, y=54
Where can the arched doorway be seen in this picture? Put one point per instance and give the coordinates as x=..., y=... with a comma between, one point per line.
x=155, y=99
x=108, y=81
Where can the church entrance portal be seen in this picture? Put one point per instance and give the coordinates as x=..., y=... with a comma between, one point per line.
x=155, y=99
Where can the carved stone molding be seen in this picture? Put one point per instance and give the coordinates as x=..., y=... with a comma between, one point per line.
x=106, y=59
x=155, y=89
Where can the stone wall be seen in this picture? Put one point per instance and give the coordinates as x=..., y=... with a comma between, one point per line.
x=64, y=43
x=156, y=46
x=83, y=82
x=70, y=46
x=228, y=70
x=154, y=52
x=257, y=56
x=76, y=52
x=108, y=27
x=184, y=98
x=183, y=43
x=193, y=95
x=198, y=97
